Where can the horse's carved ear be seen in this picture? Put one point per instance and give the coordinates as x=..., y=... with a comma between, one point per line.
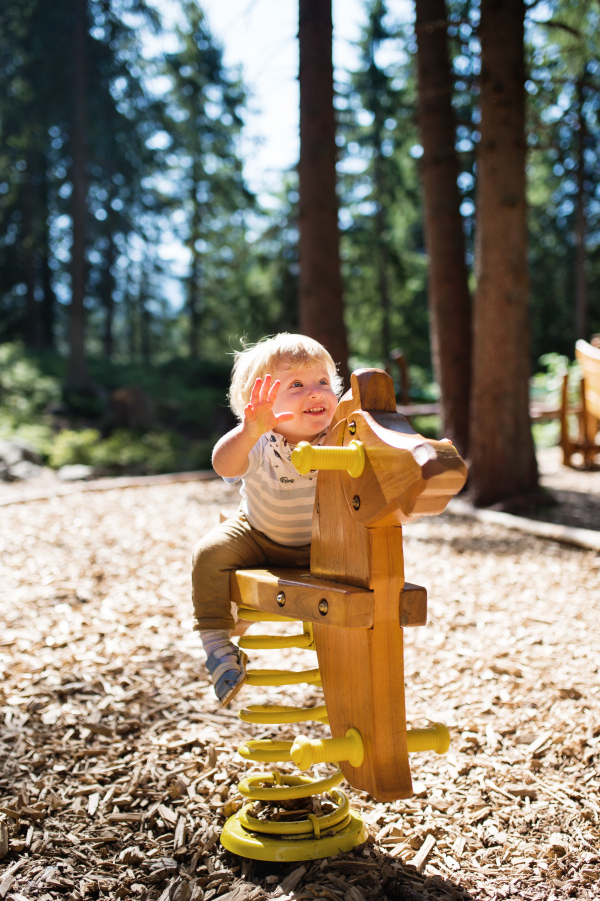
x=373, y=390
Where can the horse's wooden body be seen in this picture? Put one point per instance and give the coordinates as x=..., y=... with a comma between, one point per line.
x=355, y=595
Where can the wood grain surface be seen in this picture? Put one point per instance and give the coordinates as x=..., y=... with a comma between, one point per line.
x=348, y=607
x=363, y=679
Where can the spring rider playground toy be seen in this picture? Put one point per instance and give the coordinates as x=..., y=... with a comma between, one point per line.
x=375, y=474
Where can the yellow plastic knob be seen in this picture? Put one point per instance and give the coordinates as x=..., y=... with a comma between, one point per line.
x=305, y=458
x=307, y=751
x=435, y=738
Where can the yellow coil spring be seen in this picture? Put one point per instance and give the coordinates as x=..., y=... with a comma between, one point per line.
x=276, y=786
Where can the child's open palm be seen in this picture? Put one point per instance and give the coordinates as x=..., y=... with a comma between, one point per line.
x=258, y=414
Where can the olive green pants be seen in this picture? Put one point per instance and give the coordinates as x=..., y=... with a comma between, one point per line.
x=234, y=544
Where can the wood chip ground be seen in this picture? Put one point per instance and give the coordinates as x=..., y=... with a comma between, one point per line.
x=116, y=762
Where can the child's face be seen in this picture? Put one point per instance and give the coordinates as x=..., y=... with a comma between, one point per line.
x=307, y=393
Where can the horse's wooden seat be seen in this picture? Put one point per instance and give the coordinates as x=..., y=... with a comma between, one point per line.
x=299, y=595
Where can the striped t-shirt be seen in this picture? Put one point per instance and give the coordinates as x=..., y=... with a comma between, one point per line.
x=277, y=500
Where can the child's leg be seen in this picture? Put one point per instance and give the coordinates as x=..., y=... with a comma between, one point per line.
x=285, y=555
x=229, y=547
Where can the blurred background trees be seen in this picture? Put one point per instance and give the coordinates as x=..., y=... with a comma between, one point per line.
x=133, y=255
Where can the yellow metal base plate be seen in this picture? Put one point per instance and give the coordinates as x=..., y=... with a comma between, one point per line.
x=281, y=850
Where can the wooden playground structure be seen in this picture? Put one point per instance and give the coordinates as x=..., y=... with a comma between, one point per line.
x=588, y=409
x=375, y=475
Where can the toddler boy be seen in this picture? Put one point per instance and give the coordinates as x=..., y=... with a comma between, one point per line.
x=284, y=390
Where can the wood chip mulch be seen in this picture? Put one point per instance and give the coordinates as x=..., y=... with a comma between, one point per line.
x=117, y=764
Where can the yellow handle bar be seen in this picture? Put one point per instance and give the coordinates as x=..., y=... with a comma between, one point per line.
x=305, y=458
x=305, y=751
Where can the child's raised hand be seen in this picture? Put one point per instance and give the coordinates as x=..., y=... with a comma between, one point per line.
x=258, y=414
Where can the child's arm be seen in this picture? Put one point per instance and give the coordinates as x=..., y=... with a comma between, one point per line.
x=230, y=456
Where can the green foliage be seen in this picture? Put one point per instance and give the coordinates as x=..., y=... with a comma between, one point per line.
x=546, y=387
x=428, y=426
x=189, y=397
x=71, y=447
x=24, y=390
x=563, y=134
x=422, y=388
x=546, y=434
x=130, y=452
x=38, y=434
x=155, y=452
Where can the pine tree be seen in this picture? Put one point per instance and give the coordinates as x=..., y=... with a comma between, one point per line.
x=32, y=85
x=564, y=100
x=203, y=119
x=61, y=164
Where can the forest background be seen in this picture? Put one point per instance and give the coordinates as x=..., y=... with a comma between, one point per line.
x=165, y=166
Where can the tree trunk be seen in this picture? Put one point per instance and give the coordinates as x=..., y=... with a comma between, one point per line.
x=382, y=258
x=146, y=332
x=384, y=297
x=31, y=323
x=131, y=317
x=502, y=453
x=48, y=311
x=194, y=281
x=581, y=300
x=108, y=300
x=194, y=305
x=48, y=304
x=321, y=301
x=449, y=298
x=77, y=363
x=144, y=312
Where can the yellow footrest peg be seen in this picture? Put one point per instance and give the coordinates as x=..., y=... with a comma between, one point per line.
x=265, y=750
x=275, y=642
x=250, y=615
x=308, y=751
x=434, y=738
x=278, y=713
x=282, y=677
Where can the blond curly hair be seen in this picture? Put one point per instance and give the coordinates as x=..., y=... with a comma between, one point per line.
x=283, y=351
